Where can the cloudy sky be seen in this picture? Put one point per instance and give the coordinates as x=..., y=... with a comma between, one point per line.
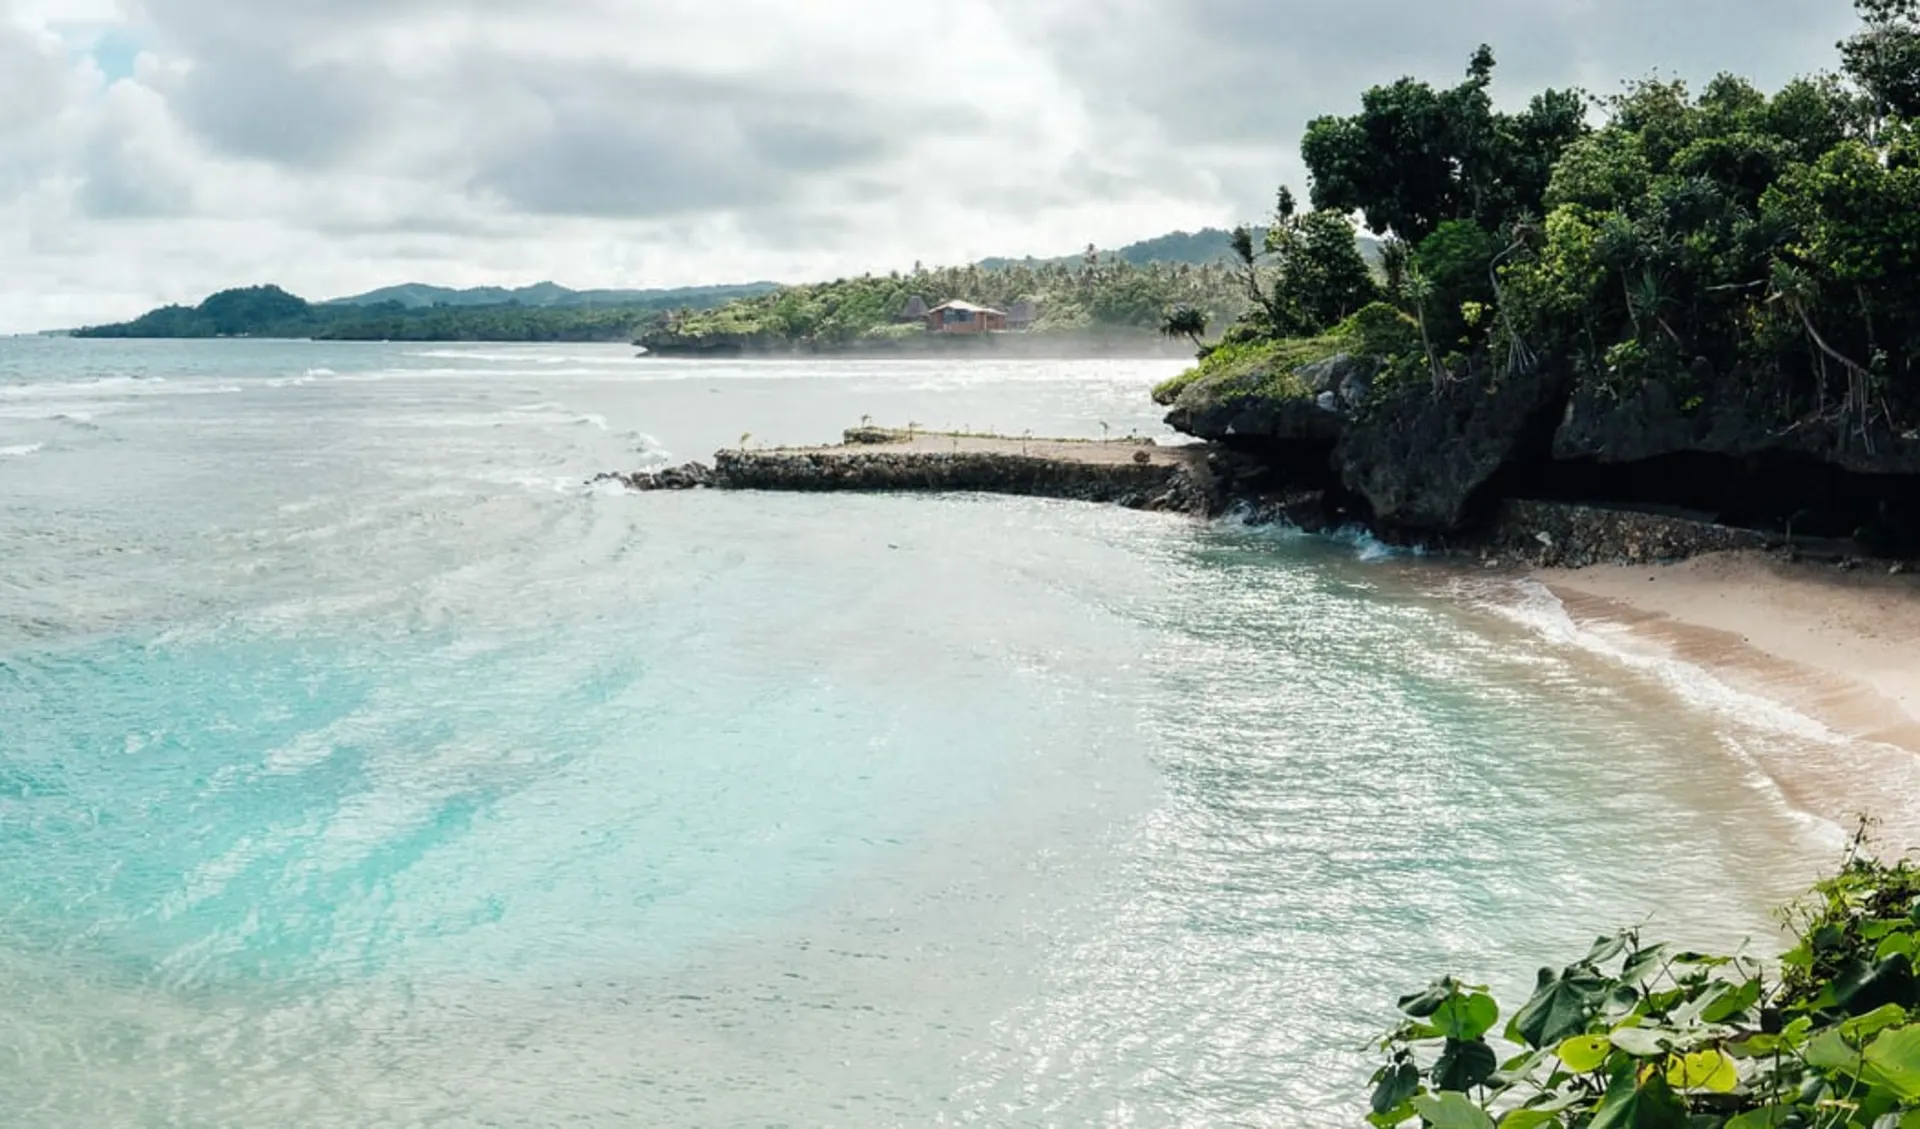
x=155, y=150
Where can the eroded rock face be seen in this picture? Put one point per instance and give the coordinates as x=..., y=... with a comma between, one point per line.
x=1258, y=418
x=1348, y=378
x=1423, y=463
x=1336, y=388
x=1654, y=420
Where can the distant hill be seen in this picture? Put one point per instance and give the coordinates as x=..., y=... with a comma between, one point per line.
x=550, y=295
x=1208, y=245
x=269, y=311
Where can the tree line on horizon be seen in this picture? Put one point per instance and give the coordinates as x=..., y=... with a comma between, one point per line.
x=1130, y=288
x=1099, y=293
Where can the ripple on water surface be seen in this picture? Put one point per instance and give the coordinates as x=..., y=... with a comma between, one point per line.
x=352, y=774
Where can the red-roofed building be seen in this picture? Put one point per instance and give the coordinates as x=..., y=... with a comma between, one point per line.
x=965, y=317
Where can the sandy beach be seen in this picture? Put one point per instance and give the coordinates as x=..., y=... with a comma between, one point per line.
x=1842, y=648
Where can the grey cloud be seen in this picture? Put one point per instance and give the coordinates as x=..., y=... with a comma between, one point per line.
x=1252, y=72
x=532, y=132
x=608, y=142
x=34, y=81
x=304, y=117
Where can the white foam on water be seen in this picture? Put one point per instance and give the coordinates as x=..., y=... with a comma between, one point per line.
x=20, y=451
x=1759, y=722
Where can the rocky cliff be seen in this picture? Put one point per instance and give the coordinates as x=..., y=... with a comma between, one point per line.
x=1441, y=465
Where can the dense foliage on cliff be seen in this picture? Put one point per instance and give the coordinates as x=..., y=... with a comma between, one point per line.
x=1095, y=294
x=269, y=311
x=1639, y=1035
x=1725, y=243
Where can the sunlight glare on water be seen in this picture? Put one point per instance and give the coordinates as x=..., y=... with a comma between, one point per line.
x=360, y=765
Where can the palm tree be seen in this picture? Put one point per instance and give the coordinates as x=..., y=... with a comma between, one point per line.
x=1647, y=298
x=1185, y=321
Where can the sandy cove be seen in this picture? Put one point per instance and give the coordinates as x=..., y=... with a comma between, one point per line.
x=1842, y=648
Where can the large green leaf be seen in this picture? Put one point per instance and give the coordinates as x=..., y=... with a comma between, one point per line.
x=1644, y=1042
x=1830, y=1050
x=1643, y=963
x=1706, y=1069
x=1863, y=987
x=1772, y=1117
x=1452, y=1111
x=1893, y=1061
x=1605, y=949
x=1420, y=1005
x=1583, y=1054
x=1464, y=1065
x=1863, y=1027
x=1466, y=1017
x=1733, y=1002
x=1651, y=1105
x=1398, y=1084
x=1528, y=1119
x=1562, y=1005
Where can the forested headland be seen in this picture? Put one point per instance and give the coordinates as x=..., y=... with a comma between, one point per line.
x=398, y=315
x=1099, y=297
x=1119, y=295
x=1703, y=298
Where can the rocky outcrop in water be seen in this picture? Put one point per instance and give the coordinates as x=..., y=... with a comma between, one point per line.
x=691, y=476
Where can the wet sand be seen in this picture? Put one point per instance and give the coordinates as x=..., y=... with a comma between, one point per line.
x=1842, y=648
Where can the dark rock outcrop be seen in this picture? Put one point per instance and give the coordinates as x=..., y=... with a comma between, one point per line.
x=690, y=476
x=1654, y=421
x=1259, y=421
x=1347, y=378
x=1424, y=463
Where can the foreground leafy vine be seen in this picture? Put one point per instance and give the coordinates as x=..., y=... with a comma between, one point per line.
x=1641, y=1035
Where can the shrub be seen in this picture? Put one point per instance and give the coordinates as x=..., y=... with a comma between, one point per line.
x=1637, y=1034
x=1252, y=368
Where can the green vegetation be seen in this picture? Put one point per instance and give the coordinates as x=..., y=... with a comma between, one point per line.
x=1095, y=295
x=1726, y=242
x=1638, y=1035
x=1198, y=248
x=268, y=311
x=1257, y=364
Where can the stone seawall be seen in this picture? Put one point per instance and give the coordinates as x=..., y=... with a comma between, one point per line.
x=1132, y=473
x=1146, y=486
x=1562, y=535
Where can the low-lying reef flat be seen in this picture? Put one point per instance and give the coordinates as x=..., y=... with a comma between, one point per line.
x=1138, y=474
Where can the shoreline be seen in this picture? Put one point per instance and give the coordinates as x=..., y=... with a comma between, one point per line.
x=1839, y=649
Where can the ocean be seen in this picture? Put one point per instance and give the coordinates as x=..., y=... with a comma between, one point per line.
x=361, y=765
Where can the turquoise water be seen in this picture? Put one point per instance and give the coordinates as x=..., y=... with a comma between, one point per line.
x=359, y=766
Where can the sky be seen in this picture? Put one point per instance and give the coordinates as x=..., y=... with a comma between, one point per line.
x=154, y=151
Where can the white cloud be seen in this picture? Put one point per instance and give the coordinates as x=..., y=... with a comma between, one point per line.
x=337, y=145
